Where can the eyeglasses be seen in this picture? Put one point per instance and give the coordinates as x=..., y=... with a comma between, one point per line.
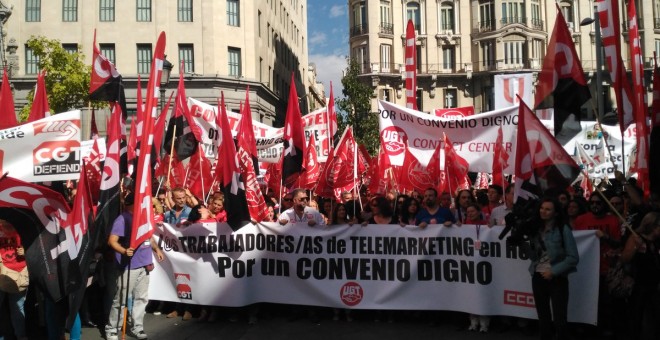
x=287, y=199
x=303, y=198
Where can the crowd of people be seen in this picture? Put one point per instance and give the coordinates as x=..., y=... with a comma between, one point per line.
x=628, y=229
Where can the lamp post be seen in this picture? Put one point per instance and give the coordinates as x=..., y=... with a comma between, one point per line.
x=599, y=62
x=164, y=81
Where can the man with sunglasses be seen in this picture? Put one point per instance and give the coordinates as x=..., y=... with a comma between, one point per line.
x=301, y=212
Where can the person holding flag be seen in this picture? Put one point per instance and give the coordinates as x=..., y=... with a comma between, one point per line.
x=135, y=281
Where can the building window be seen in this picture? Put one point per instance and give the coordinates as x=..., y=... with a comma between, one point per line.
x=486, y=17
x=32, y=10
x=108, y=51
x=144, y=58
x=447, y=17
x=69, y=10
x=451, y=98
x=187, y=56
x=359, y=19
x=419, y=99
x=448, y=58
x=143, y=10
x=413, y=13
x=70, y=48
x=537, y=22
x=234, y=61
x=107, y=10
x=360, y=56
x=514, y=52
x=185, y=11
x=513, y=12
x=488, y=99
x=385, y=58
x=387, y=96
x=538, y=52
x=31, y=61
x=487, y=54
x=233, y=13
x=567, y=10
x=259, y=23
x=386, y=26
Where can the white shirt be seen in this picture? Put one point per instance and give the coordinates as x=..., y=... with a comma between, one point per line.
x=308, y=214
x=498, y=214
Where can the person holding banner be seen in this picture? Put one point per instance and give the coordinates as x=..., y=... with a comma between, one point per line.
x=463, y=199
x=554, y=255
x=433, y=213
x=139, y=262
x=381, y=212
x=301, y=212
x=180, y=209
x=409, y=210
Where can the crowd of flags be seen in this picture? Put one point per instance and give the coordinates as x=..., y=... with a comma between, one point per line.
x=541, y=163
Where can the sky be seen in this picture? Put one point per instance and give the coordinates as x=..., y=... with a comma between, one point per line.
x=327, y=31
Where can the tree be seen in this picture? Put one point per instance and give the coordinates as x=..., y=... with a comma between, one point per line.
x=356, y=109
x=67, y=76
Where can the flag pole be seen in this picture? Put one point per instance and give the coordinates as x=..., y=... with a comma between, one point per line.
x=128, y=282
x=201, y=172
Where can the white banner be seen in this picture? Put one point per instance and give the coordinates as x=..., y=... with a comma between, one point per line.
x=473, y=136
x=373, y=267
x=269, y=139
x=508, y=86
x=45, y=150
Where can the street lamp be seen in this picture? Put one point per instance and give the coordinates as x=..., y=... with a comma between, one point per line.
x=164, y=80
x=599, y=77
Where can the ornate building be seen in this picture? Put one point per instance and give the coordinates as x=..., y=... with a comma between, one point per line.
x=463, y=44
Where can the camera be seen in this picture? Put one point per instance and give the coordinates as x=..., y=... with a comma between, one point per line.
x=522, y=223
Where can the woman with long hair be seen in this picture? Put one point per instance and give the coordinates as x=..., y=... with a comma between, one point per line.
x=554, y=255
x=409, y=210
x=381, y=212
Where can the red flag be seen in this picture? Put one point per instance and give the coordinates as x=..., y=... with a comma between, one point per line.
x=541, y=162
x=188, y=134
x=7, y=109
x=413, y=175
x=94, y=130
x=500, y=160
x=341, y=166
x=132, y=140
x=332, y=115
x=176, y=174
x=105, y=81
x=273, y=177
x=159, y=128
x=143, y=215
x=561, y=82
x=229, y=173
x=639, y=100
x=311, y=172
x=255, y=199
x=199, y=178
x=380, y=172
x=456, y=168
x=108, y=208
x=434, y=170
x=294, y=139
x=93, y=170
x=40, y=108
x=411, y=67
x=608, y=12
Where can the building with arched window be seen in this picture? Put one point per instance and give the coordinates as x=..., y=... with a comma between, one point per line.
x=463, y=44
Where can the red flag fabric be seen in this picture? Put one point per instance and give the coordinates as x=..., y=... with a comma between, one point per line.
x=500, y=160
x=561, y=82
x=456, y=168
x=229, y=173
x=182, y=129
x=159, y=127
x=40, y=108
x=639, y=100
x=176, y=175
x=105, y=81
x=143, y=215
x=380, y=173
x=255, y=199
x=93, y=170
x=132, y=140
x=411, y=67
x=541, y=162
x=249, y=142
x=340, y=169
x=108, y=208
x=311, y=172
x=332, y=115
x=434, y=170
x=273, y=177
x=94, y=130
x=608, y=13
x=413, y=175
x=199, y=178
x=7, y=108
x=293, y=139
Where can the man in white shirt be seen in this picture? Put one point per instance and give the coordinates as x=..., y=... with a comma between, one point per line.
x=498, y=214
x=301, y=212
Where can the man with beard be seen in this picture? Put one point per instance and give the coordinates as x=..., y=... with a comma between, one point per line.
x=432, y=212
x=301, y=212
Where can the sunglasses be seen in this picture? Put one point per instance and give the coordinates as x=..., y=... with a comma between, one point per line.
x=287, y=199
x=303, y=198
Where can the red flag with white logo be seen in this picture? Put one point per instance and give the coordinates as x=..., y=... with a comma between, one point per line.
x=411, y=67
x=255, y=199
x=293, y=139
x=456, y=168
x=199, y=178
x=561, y=84
x=310, y=175
x=380, y=172
x=413, y=175
x=7, y=108
x=143, y=215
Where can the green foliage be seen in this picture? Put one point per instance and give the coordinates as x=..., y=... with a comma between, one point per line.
x=355, y=109
x=67, y=76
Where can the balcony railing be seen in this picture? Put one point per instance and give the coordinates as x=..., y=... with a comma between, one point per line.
x=513, y=20
x=640, y=24
x=537, y=24
x=451, y=68
x=656, y=23
x=447, y=27
x=485, y=26
x=359, y=30
x=386, y=28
